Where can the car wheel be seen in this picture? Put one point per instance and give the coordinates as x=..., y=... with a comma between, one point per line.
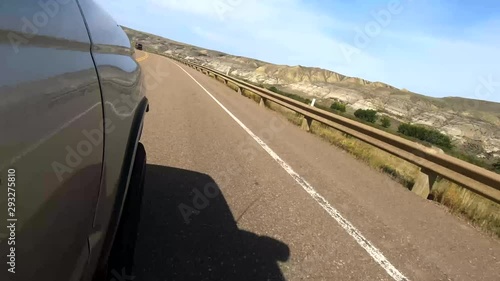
x=121, y=259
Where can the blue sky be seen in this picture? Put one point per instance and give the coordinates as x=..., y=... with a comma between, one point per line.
x=433, y=47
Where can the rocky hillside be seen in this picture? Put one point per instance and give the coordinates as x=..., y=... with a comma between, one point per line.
x=474, y=125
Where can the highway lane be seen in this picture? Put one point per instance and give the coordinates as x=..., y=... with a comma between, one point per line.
x=256, y=222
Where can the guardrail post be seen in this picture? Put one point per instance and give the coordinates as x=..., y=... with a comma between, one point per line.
x=306, y=123
x=423, y=185
x=225, y=81
x=240, y=90
x=262, y=102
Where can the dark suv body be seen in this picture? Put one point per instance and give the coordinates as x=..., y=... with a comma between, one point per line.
x=72, y=106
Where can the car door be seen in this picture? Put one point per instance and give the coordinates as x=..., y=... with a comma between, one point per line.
x=124, y=104
x=51, y=140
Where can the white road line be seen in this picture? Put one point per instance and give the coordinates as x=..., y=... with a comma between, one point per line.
x=375, y=253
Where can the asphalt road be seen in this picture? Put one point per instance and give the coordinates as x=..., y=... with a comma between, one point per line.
x=218, y=205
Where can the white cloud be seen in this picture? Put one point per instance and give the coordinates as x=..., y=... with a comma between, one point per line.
x=292, y=32
x=217, y=9
x=280, y=31
x=197, y=7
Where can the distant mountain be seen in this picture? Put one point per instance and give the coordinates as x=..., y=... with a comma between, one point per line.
x=474, y=125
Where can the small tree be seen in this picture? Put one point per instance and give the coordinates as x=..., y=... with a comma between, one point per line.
x=386, y=122
x=432, y=136
x=338, y=106
x=367, y=115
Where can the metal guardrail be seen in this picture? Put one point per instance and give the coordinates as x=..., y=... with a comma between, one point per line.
x=474, y=178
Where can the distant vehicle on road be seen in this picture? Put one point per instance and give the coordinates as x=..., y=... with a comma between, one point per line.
x=138, y=46
x=72, y=107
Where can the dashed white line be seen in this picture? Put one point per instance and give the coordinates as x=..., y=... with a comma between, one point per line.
x=375, y=253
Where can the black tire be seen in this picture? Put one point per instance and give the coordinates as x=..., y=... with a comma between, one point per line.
x=121, y=258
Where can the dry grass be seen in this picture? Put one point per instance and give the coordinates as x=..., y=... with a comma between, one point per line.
x=482, y=212
x=232, y=86
x=400, y=170
x=291, y=115
x=251, y=95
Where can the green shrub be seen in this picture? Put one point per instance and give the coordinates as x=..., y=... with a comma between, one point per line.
x=338, y=106
x=385, y=122
x=496, y=166
x=367, y=115
x=425, y=134
x=273, y=89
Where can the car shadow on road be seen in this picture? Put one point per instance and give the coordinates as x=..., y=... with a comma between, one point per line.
x=187, y=232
